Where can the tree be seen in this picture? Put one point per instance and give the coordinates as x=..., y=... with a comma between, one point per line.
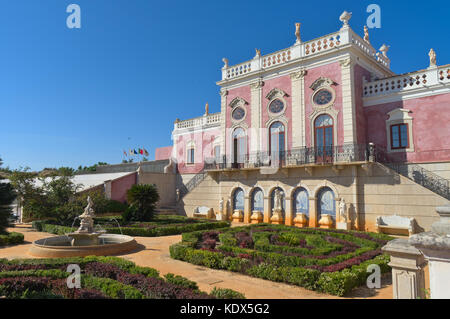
x=7, y=197
x=142, y=200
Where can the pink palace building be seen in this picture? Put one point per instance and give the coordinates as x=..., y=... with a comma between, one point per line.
x=320, y=134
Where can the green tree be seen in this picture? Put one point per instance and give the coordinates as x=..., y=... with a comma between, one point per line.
x=142, y=200
x=7, y=197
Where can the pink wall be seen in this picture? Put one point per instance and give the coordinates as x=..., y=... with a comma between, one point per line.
x=333, y=72
x=204, y=148
x=283, y=83
x=120, y=186
x=431, y=118
x=163, y=153
x=361, y=121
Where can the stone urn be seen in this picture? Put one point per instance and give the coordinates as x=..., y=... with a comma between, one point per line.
x=301, y=220
x=326, y=221
x=238, y=216
x=257, y=217
x=277, y=217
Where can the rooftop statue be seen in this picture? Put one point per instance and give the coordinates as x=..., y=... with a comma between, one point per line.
x=432, y=55
x=225, y=61
x=297, y=32
x=384, y=49
x=207, y=108
x=258, y=53
x=345, y=17
x=366, y=34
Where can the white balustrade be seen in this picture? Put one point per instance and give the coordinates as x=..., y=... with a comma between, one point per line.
x=206, y=120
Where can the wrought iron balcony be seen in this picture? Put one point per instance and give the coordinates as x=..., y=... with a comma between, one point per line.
x=346, y=153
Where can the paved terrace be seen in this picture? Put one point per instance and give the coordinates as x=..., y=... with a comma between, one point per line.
x=154, y=252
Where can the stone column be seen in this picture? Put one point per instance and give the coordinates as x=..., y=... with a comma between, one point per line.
x=267, y=210
x=247, y=210
x=435, y=245
x=313, y=221
x=288, y=215
x=348, y=100
x=407, y=262
x=223, y=114
x=255, y=106
x=298, y=108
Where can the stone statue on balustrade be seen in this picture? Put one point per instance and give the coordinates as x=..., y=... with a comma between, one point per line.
x=432, y=55
x=297, y=32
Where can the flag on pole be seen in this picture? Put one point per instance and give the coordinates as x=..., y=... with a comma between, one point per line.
x=125, y=153
x=131, y=152
x=141, y=151
x=135, y=153
x=145, y=152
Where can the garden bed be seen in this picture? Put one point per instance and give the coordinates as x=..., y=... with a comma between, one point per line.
x=12, y=238
x=163, y=225
x=101, y=278
x=329, y=261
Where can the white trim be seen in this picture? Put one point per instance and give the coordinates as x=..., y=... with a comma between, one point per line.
x=400, y=116
x=407, y=95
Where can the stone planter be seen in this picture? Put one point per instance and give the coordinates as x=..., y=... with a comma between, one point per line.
x=301, y=220
x=256, y=218
x=326, y=221
x=238, y=216
x=277, y=217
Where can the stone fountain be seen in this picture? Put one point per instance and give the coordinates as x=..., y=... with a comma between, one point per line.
x=83, y=242
x=85, y=235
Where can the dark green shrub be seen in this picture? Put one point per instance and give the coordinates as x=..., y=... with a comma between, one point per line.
x=7, y=197
x=221, y=293
x=181, y=281
x=11, y=239
x=142, y=200
x=337, y=283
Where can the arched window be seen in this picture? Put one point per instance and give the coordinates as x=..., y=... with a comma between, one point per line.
x=239, y=146
x=323, y=131
x=238, y=199
x=301, y=201
x=276, y=143
x=326, y=203
x=258, y=200
x=283, y=199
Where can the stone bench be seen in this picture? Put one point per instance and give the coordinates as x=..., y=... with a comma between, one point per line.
x=203, y=212
x=395, y=225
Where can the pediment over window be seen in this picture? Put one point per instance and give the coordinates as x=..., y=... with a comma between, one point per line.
x=399, y=114
x=320, y=82
x=238, y=101
x=275, y=93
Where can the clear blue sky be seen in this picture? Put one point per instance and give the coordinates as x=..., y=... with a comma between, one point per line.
x=73, y=97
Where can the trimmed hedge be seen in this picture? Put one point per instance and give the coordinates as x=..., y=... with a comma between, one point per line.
x=11, y=239
x=137, y=231
x=312, y=267
x=101, y=277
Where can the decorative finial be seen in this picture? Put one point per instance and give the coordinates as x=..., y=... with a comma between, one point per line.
x=432, y=55
x=207, y=109
x=366, y=34
x=225, y=61
x=384, y=49
x=297, y=32
x=345, y=17
x=258, y=53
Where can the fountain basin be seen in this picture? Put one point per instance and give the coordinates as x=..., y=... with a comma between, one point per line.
x=61, y=246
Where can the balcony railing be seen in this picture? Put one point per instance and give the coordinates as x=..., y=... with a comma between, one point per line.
x=347, y=153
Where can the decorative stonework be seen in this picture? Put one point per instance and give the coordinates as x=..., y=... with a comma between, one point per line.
x=298, y=75
x=400, y=116
x=321, y=82
x=274, y=93
x=223, y=92
x=238, y=101
x=256, y=85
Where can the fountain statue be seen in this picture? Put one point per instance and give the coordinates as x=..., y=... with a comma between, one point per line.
x=85, y=235
x=85, y=241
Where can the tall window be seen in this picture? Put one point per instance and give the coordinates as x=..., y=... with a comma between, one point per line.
x=217, y=154
x=238, y=199
x=323, y=129
x=258, y=200
x=191, y=155
x=399, y=136
x=277, y=146
x=239, y=146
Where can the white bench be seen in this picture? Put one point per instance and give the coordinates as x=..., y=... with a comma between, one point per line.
x=389, y=224
x=203, y=212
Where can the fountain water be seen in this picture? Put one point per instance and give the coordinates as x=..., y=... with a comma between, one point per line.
x=87, y=240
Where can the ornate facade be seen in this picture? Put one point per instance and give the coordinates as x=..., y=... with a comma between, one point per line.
x=322, y=121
